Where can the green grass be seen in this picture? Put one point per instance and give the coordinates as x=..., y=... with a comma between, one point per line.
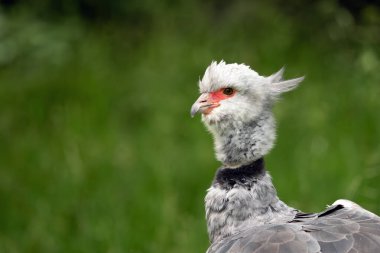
x=98, y=151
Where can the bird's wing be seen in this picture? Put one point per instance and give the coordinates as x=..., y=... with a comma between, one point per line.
x=346, y=228
x=338, y=229
x=284, y=238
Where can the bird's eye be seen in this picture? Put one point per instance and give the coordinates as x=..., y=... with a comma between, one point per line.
x=228, y=91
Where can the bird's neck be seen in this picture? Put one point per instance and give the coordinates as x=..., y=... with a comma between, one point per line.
x=243, y=197
x=239, y=143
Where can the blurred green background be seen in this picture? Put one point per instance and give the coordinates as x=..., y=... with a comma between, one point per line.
x=98, y=152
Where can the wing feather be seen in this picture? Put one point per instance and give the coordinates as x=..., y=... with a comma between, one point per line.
x=338, y=229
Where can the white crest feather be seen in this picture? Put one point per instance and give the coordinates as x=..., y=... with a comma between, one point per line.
x=279, y=87
x=277, y=77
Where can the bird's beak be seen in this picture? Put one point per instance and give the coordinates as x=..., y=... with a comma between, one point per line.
x=204, y=104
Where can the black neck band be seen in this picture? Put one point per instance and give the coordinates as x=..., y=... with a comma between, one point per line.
x=244, y=175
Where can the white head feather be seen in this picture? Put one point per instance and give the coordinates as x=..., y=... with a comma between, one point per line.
x=254, y=92
x=243, y=125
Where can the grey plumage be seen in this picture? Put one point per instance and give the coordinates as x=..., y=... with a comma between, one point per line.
x=262, y=223
x=243, y=211
x=236, y=202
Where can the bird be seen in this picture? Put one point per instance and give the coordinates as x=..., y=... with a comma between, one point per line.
x=243, y=212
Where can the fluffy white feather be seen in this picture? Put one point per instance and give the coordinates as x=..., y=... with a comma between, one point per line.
x=243, y=125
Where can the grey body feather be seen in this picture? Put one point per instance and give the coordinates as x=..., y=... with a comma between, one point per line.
x=243, y=211
x=341, y=230
x=250, y=218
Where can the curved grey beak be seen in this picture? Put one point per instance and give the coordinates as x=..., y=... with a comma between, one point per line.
x=197, y=106
x=202, y=104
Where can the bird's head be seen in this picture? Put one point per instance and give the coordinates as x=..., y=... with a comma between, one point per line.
x=235, y=92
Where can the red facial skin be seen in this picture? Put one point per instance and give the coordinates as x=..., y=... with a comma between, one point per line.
x=219, y=95
x=215, y=98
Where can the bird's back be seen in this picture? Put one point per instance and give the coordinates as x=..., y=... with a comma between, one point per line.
x=339, y=229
